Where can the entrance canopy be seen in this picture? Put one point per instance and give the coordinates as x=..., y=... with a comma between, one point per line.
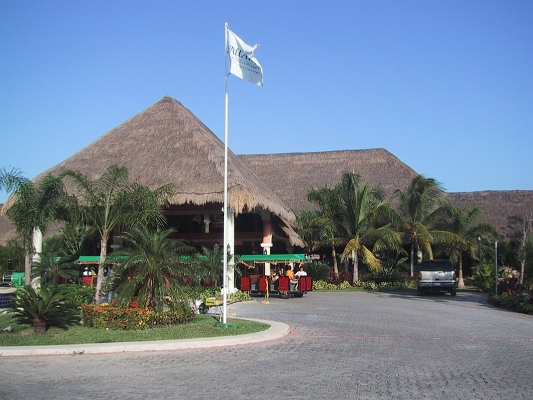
x=274, y=258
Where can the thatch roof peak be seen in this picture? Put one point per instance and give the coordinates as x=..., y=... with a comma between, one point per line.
x=167, y=143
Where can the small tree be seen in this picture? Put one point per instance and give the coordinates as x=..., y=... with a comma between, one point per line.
x=150, y=267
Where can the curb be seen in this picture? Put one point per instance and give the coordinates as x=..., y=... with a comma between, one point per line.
x=276, y=331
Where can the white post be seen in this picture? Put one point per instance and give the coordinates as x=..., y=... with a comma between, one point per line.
x=496, y=263
x=231, y=251
x=225, y=270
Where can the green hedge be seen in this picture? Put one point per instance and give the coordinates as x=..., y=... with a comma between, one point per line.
x=398, y=285
x=323, y=285
x=516, y=303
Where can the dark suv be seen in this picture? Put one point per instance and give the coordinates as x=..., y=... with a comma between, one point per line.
x=437, y=275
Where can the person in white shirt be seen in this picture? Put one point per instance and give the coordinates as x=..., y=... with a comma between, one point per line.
x=299, y=274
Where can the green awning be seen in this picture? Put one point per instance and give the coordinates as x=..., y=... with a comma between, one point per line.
x=274, y=258
x=96, y=259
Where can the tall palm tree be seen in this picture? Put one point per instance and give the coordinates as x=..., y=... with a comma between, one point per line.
x=324, y=223
x=150, y=267
x=365, y=218
x=113, y=202
x=462, y=224
x=421, y=207
x=36, y=206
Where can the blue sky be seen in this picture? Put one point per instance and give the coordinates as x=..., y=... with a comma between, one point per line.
x=445, y=86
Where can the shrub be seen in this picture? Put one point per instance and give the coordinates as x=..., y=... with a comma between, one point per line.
x=240, y=296
x=79, y=295
x=396, y=285
x=110, y=316
x=516, y=303
x=318, y=270
x=482, y=277
x=44, y=307
x=323, y=285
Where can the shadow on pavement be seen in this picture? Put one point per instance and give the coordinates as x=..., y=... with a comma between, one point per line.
x=466, y=296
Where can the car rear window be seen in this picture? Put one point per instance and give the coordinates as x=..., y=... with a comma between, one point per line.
x=436, y=265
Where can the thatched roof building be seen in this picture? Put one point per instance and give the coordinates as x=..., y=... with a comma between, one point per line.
x=166, y=143
x=301, y=171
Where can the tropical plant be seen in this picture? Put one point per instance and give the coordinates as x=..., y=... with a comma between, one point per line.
x=422, y=206
x=322, y=226
x=483, y=278
x=44, y=307
x=364, y=218
x=151, y=268
x=462, y=224
x=50, y=267
x=113, y=202
x=72, y=241
x=391, y=263
x=210, y=264
x=317, y=270
x=36, y=206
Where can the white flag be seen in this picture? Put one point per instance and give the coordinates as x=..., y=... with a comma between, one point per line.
x=243, y=63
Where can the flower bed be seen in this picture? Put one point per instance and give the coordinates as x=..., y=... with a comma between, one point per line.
x=109, y=316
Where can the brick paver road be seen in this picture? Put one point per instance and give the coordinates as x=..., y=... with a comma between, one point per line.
x=344, y=346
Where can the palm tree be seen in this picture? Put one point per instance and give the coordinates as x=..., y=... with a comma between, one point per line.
x=462, y=225
x=113, y=202
x=210, y=263
x=11, y=179
x=35, y=208
x=150, y=267
x=365, y=218
x=323, y=225
x=307, y=228
x=50, y=267
x=421, y=207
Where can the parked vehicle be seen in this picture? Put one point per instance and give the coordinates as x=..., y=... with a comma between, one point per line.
x=437, y=275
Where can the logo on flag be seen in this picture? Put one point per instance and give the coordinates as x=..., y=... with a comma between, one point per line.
x=243, y=63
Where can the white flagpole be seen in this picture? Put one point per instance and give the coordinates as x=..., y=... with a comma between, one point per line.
x=225, y=249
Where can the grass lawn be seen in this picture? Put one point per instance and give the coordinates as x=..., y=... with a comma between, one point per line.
x=201, y=326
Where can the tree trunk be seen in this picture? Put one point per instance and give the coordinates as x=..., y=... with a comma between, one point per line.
x=461, y=283
x=39, y=326
x=412, y=260
x=355, y=277
x=101, y=267
x=27, y=269
x=335, y=266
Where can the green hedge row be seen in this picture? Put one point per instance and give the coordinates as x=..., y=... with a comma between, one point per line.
x=516, y=303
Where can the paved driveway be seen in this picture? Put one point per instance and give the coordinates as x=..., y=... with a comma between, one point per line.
x=344, y=346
